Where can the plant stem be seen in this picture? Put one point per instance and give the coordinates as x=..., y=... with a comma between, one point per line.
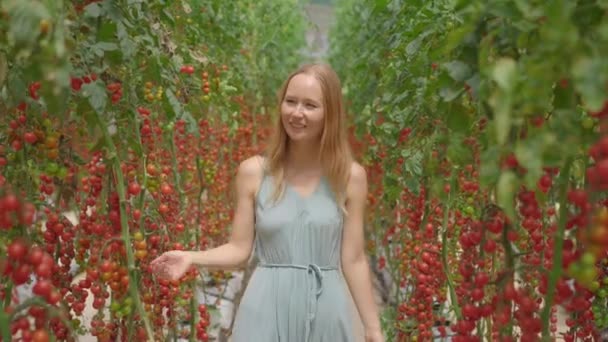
x=193, y=311
x=510, y=262
x=176, y=174
x=558, y=244
x=5, y=329
x=120, y=188
x=8, y=297
x=444, y=253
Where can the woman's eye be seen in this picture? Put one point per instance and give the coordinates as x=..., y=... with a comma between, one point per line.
x=311, y=106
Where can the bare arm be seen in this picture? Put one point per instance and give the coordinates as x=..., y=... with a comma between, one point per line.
x=237, y=251
x=354, y=261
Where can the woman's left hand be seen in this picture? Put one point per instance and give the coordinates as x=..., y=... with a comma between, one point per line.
x=374, y=336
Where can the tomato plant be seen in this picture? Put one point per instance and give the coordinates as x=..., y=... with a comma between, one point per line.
x=483, y=128
x=130, y=116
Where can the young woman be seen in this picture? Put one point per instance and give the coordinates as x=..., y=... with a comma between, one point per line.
x=302, y=206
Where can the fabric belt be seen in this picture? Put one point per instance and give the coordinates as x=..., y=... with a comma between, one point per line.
x=315, y=287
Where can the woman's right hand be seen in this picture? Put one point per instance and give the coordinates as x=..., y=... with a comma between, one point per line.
x=171, y=265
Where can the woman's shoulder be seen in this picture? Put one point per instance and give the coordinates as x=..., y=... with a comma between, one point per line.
x=250, y=174
x=357, y=179
x=253, y=166
x=357, y=172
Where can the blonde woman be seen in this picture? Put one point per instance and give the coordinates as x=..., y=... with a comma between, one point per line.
x=302, y=205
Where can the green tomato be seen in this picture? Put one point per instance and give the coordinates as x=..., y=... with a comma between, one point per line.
x=588, y=259
x=62, y=173
x=588, y=123
x=574, y=270
x=115, y=306
x=52, y=168
x=587, y=275
x=594, y=286
x=124, y=312
x=128, y=302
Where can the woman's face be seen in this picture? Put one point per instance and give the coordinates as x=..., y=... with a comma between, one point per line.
x=302, y=112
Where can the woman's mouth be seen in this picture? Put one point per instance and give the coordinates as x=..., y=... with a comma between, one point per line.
x=297, y=126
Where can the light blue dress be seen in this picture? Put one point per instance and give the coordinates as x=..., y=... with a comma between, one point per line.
x=297, y=293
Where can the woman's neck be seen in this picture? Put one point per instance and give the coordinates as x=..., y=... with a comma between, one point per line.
x=303, y=157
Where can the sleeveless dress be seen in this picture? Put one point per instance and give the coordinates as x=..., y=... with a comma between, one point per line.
x=297, y=293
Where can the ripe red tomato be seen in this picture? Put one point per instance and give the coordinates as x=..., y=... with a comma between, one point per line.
x=10, y=202
x=166, y=189
x=187, y=69
x=16, y=250
x=42, y=288
x=30, y=137
x=134, y=188
x=40, y=335
x=21, y=274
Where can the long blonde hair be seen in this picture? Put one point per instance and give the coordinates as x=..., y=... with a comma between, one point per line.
x=335, y=153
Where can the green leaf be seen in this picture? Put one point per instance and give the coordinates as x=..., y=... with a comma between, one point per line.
x=504, y=73
x=456, y=37
x=388, y=128
x=505, y=193
x=168, y=16
x=192, y=126
x=56, y=95
x=529, y=154
x=92, y=10
x=105, y=46
x=450, y=94
x=457, y=151
x=489, y=170
x=174, y=105
x=392, y=187
x=127, y=45
x=25, y=17
x=16, y=85
x=3, y=68
x=474, y=83
x=97, y=96
x=412, y=163
x=501, y=102
x=458, y=70
x=107, y=31
x=591, y=76
x=564, y=98
x=113, y=11
x=414, y=45
x=457, y=118
x=227, y=89
x=412, y=184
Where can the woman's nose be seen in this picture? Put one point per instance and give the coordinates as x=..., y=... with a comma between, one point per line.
x=298, y=110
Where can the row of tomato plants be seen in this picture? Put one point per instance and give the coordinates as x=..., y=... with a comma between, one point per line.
x=132, y=116
x=484, y=127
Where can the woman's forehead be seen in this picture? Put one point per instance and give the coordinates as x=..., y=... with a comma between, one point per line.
x=303, y=85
